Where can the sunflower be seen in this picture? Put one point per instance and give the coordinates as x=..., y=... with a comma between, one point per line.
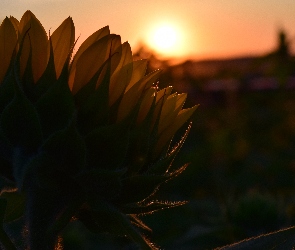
x=84, y=136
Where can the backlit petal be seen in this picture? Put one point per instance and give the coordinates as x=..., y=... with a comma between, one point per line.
x=62, y=39
x=139, y=69
x=168, y=133
x=8, y=41
x=15, y=23
x=85, y=45
x=36, y=38
x=116, y=52
x=122, y=75
x=146, y=104
x=119, y=82
x=168, y=113
x=90, y=61
x=131, y=97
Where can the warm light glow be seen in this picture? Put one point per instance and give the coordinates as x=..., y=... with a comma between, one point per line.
x=166, y=40
x=165, y=37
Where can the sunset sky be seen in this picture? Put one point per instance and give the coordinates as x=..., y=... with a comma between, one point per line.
x=196, y=29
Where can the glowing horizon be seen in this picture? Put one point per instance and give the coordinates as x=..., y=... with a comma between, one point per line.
x=204, y=29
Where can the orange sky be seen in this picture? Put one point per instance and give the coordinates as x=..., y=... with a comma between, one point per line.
x=211, y=28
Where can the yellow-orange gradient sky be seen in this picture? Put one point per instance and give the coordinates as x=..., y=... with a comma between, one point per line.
x=194, y=29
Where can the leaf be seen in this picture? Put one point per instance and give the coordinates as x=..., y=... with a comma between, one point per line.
x=280, y=240
x=93, y=103
x=163, y=164
x=15, y=205
x=55, y=108
x=20, y=123
x=104, y=182
x=66, y=149
x=7, y=89
x=141, y=140
x=107, y=146
x=151, y=207
x=137, y=222
x=116, y=222
x=47, y=79
x=27, y=83
x=65, y=217
x=138, y=188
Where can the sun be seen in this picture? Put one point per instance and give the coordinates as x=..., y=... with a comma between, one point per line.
x=166, y=39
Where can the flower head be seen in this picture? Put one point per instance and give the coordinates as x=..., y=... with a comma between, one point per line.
x=93, y=120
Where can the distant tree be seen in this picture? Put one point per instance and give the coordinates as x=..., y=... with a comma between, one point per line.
x=283, y=49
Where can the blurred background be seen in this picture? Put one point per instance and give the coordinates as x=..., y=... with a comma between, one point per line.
x=237, y=60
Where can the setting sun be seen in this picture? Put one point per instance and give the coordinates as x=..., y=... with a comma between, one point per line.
x=166, y=40
x=165, y=37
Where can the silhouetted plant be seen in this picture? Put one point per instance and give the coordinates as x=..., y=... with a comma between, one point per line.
x=81, y=138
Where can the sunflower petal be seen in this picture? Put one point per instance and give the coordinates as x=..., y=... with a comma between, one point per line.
x=8, y=41
x=84, y=46
x=139, y=69
x=170, y=110
x=62, y=41
x=168, y=133
x=146, y=104
x=132, y=96
x=122, y=74
x=36, y=39
x=90, y=61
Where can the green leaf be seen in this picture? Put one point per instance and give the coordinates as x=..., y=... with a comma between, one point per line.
x=151, y=207
x=141, y=141
x=65, y=217
x=107, y=146
x=67, y=150
x=136, y=221
x=48, y=78
x=7, y=90
x=94, y=103
x=6, y=158
x=104, y=182
x=27, y=81
x=86, y=217
x=55, y=108
x=15, y=205
x=114, y=221
x=20, y=123
x=165, y=163
x=280, y=240
x=139, y=187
